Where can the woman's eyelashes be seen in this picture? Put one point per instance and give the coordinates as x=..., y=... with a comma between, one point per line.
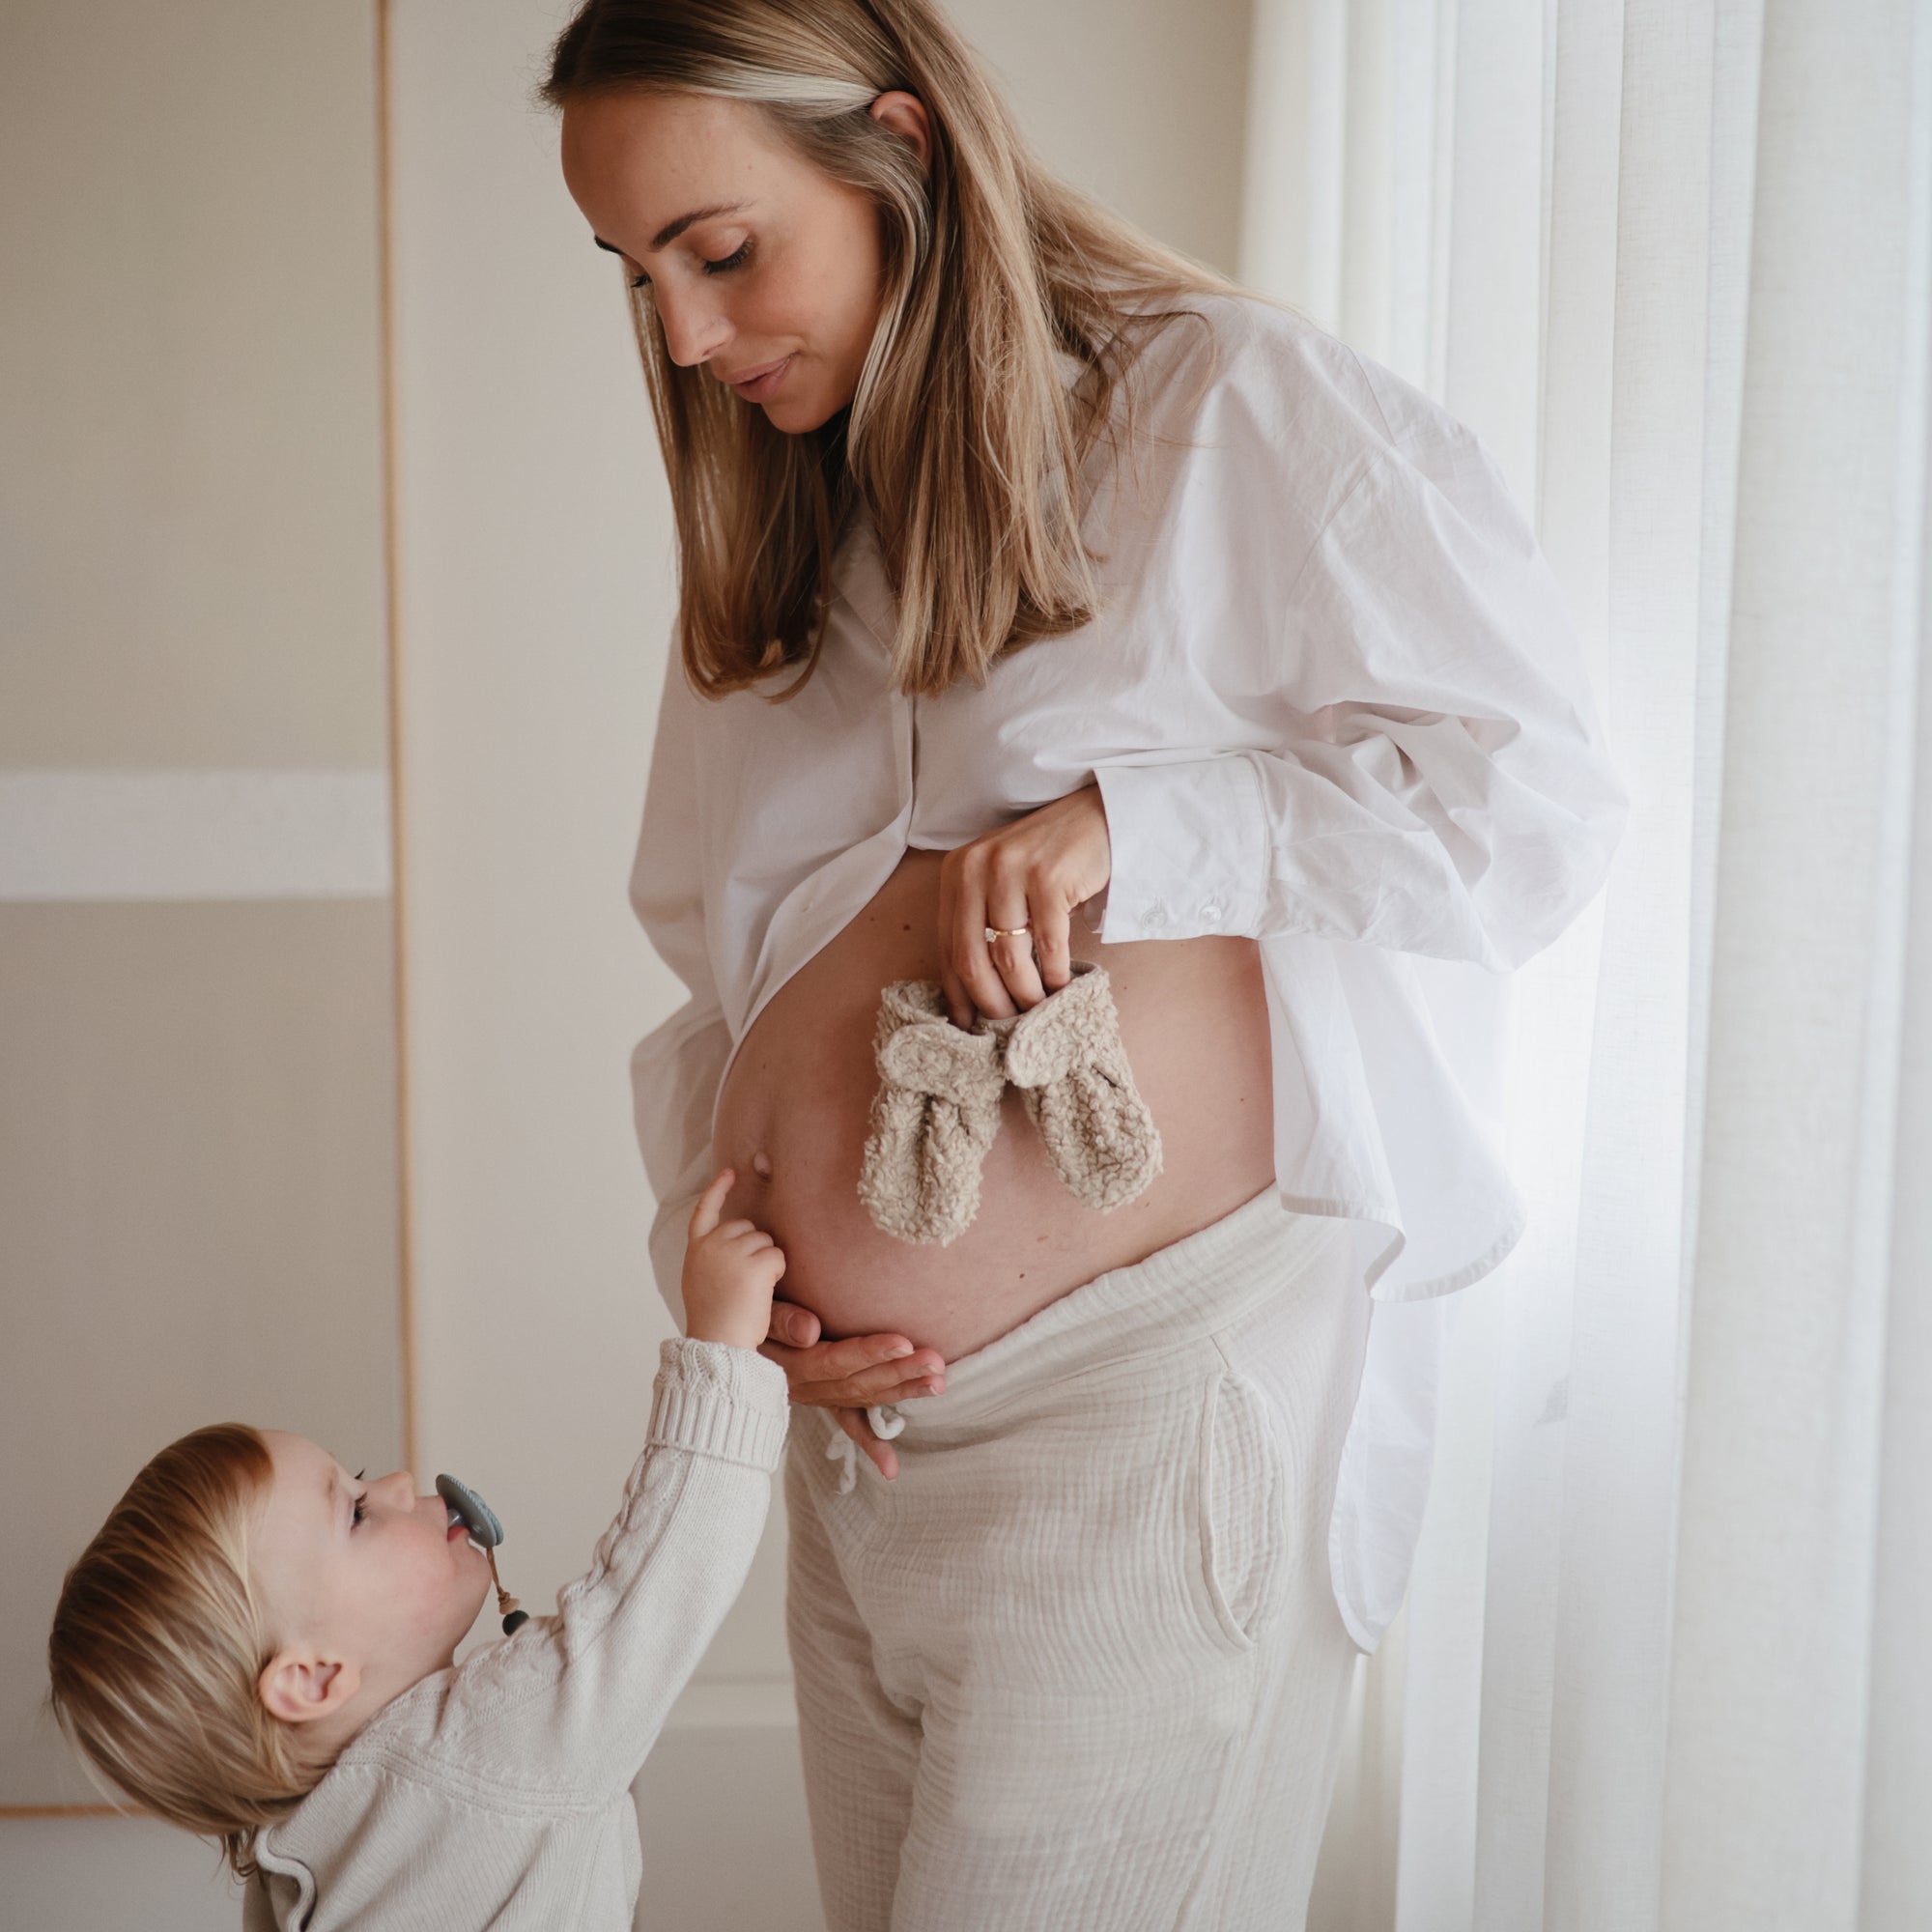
x=723, y=265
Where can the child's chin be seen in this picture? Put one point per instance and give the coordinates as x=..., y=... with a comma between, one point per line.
x=468, y=1608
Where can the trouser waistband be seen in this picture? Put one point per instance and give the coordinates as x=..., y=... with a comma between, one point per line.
x=1189, y=1290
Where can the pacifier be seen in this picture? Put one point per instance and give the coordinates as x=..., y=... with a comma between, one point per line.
x=486, y=1532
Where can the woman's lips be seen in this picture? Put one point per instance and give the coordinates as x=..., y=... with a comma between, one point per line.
x=756, y=384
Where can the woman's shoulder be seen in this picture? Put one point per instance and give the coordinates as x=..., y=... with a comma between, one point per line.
x=1251, y=373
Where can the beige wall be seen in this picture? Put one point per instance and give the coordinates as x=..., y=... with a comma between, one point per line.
x=197, y=1219
x=1142, y=102
x=198, y=1149
x=189, y=385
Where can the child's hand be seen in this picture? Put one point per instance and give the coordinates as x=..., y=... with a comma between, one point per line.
x=730, y=1269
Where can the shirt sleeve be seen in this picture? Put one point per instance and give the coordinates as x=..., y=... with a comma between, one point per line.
x=572, y=1705
x=675, y=1068
x=1437, y=781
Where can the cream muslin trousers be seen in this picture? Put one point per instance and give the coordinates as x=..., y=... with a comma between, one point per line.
x=1079, y=1667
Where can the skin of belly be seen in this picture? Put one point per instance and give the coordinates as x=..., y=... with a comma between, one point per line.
x=793, y=1117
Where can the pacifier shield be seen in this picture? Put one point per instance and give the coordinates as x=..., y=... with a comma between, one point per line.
x=472, y=1510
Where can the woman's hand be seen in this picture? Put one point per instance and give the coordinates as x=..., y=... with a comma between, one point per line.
x=850, y=1375
x=1030, y=873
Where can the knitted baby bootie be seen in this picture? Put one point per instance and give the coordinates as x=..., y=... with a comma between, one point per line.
x=1065, y=1056
x=935, y=1115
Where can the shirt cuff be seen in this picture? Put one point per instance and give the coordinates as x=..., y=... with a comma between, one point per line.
x=1190, y=849
x=715, y=1400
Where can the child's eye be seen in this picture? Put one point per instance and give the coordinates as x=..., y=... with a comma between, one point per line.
x=358, y=1513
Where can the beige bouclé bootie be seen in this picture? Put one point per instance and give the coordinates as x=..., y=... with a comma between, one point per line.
x=936, y=1113
x=937, y=1109
x=1066, y=1058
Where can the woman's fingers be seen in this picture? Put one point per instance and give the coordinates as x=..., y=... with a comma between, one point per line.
x=858, y=1426
x=869, y=1389
x=1018, y=971
x=1031, y=873
x=862, y=1354
x=795, y=1327
x=856, y=1373
x=1052, y=943
x=963, y=940
x=959, y=1007
x=1012, y=905
x=864, y=1391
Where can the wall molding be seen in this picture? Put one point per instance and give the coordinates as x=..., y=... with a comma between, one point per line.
x=128, y=835
x=392, y=628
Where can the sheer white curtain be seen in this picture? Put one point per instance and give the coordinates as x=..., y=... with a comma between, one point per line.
x=1667, y=1659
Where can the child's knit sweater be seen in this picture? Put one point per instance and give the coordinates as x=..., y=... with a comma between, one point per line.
x=497, y=1792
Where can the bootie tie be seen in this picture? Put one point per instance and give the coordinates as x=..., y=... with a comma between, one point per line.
x=935, y=1115
x=1067, y=1059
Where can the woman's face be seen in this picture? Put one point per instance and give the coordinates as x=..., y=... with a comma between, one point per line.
x=762, y=269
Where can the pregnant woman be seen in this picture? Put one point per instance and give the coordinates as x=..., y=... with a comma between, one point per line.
x=1046, y=599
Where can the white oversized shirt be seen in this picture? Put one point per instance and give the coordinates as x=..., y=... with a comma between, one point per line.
x=1331, y=700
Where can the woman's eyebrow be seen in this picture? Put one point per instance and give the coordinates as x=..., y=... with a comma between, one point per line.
x=672, y=230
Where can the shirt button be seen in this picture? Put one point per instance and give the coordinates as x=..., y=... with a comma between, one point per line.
x=1211, y=913
x=1154, y=918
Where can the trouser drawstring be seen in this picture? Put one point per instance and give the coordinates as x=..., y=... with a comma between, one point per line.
x=887, y=1422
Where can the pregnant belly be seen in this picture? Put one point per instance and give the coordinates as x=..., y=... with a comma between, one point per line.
x=793, y=1117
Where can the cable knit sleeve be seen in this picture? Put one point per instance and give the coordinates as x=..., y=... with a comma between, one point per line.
x=568, y=1709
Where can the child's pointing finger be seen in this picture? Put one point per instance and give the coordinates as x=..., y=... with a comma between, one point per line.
x=711, y=1204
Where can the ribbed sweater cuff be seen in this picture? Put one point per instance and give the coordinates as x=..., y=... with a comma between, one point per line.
x=715, y=1400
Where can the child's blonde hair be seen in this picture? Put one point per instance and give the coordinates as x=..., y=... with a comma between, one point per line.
x=159, y=1640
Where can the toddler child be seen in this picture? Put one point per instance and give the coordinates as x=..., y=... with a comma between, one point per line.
x=260, y=1647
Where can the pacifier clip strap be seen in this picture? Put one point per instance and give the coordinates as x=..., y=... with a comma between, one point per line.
x=514, y=1615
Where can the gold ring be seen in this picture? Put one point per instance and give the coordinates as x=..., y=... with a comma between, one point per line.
x=994, y=932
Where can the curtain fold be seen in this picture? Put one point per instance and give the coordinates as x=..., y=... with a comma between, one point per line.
x=1664, y=1662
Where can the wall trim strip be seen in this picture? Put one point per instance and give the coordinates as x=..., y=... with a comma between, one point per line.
x=392, y=603
x=193, y=835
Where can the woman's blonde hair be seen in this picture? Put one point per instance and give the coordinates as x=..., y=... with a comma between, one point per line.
x=158, y=1642
x=965, y=441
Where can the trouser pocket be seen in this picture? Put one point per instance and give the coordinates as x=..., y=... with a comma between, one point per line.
x=1241, y=1513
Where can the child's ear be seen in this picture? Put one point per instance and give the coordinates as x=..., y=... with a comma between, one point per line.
x=298, y=1686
